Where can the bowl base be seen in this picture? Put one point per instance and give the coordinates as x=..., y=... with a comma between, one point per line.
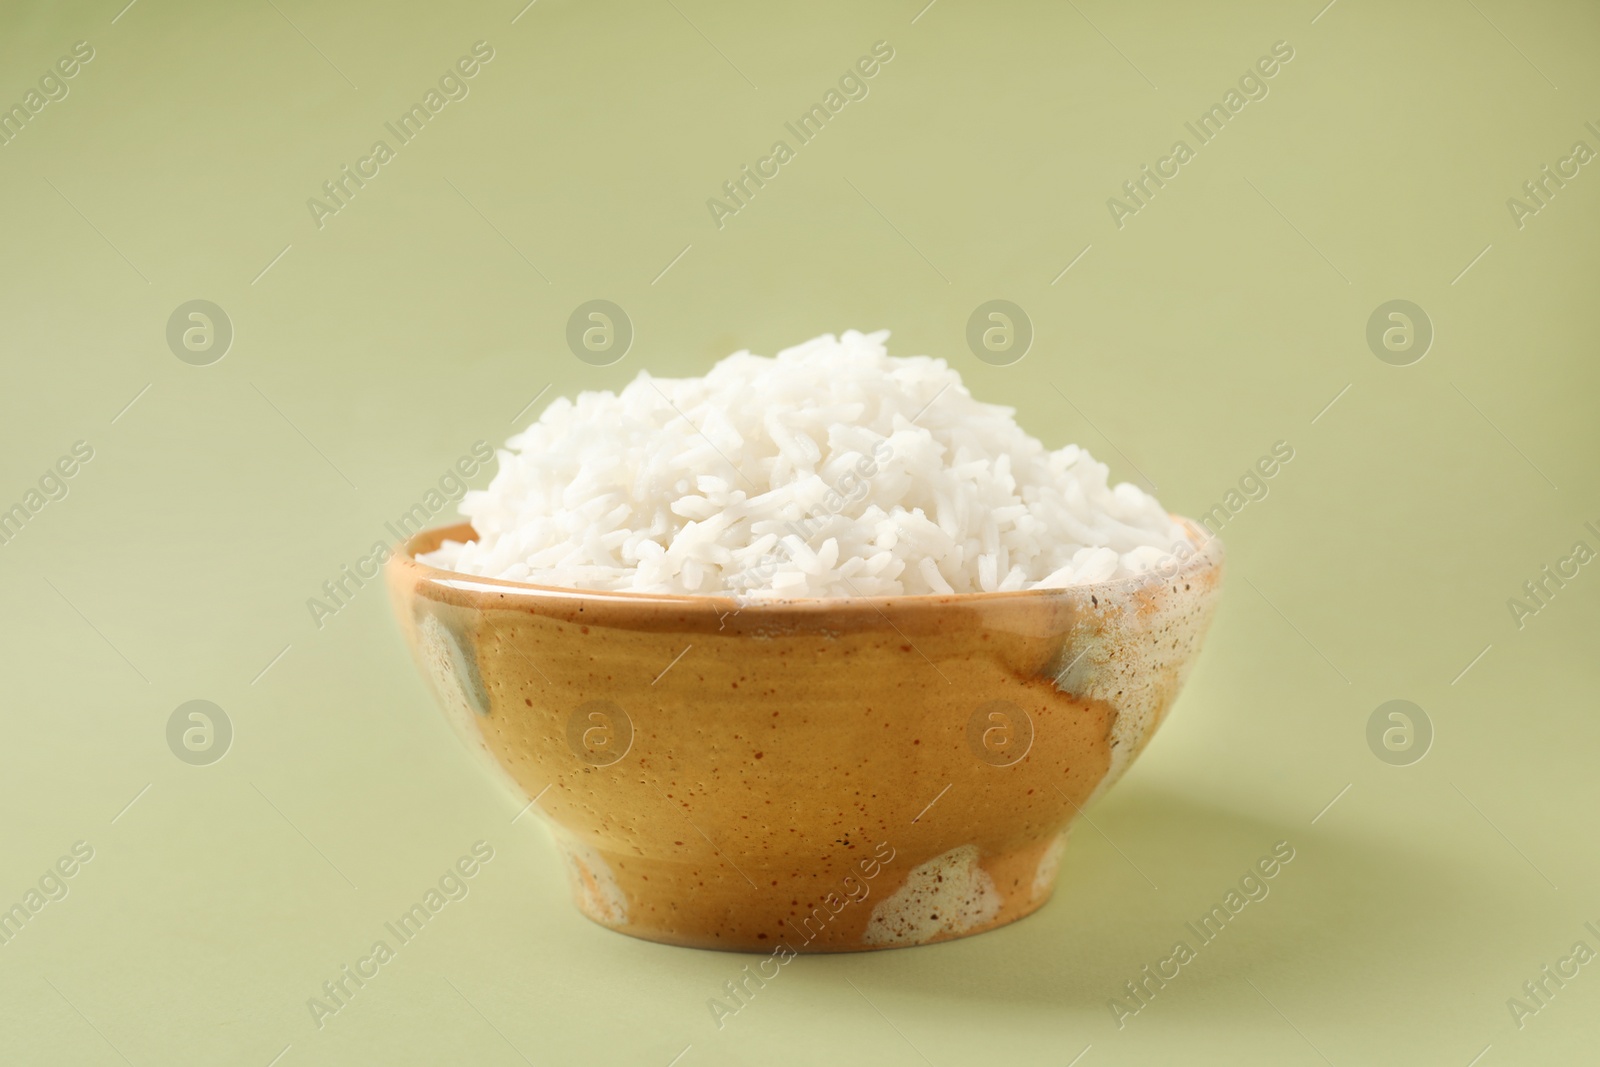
x=875, y=901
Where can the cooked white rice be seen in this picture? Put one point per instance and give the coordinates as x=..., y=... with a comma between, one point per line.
x=831, y=470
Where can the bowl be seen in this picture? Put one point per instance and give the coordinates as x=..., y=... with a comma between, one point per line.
x=821, y=775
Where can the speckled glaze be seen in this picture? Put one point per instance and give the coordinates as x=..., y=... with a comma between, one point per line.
x=826, y=775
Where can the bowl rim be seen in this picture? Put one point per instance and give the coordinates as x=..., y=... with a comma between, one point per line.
x=1207, y=557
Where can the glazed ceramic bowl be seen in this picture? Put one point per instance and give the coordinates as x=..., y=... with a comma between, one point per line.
x=829, y=775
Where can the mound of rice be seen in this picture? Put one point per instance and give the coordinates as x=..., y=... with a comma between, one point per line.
x=830, y=470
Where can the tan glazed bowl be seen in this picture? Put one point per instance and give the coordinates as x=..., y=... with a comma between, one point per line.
x=826, y=775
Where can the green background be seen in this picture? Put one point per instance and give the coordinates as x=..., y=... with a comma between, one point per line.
x=1221, y=319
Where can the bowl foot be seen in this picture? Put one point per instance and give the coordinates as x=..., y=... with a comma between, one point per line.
x=874, y=900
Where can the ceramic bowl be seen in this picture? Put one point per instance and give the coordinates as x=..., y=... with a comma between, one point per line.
x=826, y=774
